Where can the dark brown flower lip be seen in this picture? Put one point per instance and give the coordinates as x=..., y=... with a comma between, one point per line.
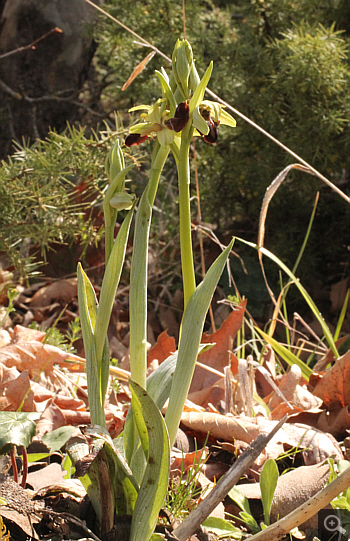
x=180, y=119
x=212, y=136
x=135, y=139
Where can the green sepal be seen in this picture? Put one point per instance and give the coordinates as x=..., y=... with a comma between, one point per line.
x=167, y=92
x=197, y=97
x=226, y=119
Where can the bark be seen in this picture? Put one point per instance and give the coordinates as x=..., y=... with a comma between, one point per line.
x=34, y=81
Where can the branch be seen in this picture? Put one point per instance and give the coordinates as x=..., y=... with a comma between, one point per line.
x=223, y=487
x=32, y=44
x=306, y=510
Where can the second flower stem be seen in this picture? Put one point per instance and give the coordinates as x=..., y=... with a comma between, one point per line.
x=188, y=275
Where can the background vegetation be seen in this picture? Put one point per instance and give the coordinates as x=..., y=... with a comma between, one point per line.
x=285, y=65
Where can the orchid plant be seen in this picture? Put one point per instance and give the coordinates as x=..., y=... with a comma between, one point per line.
x=141, y=475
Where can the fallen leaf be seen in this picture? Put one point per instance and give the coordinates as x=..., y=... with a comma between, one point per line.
x=35, y=355
x=164, y=347
x=219, y=355
x=316, y=444
x=61, y=291
x=334, y=386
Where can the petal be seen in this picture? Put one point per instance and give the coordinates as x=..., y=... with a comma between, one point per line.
x=142, y=128
x=165, y=137
x=140, y=108
x=199, y=123
x=227, y=119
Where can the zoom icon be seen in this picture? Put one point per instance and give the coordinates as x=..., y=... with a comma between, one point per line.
x=330, y=526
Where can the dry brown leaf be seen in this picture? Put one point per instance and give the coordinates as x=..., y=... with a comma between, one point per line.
x=316, y=444
x=294, y=393
x=19, y=390
x=219, y=355
x=334, y=386
x=335, y=422
x=221, y=426
x=37, y=356
x=209, y=395
x=50, y=419
x=61, y=291
x=23, y=335
x=164, y=347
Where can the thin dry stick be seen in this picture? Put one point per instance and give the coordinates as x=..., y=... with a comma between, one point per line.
x=184, y=17
x=217, y=98
x=223, y=487
x=305, y=511
x=32, y=44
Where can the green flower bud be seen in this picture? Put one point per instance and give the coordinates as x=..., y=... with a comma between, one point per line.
x=122, y=201
x=182, y=66
x=114, y=162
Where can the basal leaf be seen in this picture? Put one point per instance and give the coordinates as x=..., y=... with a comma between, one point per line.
x=155, y=481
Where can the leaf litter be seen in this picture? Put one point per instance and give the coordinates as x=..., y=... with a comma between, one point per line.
x=40, y=377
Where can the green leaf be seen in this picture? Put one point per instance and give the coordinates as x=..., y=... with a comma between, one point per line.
x=236, y=495
x=286, y=354
x=192, y=328
x=16, y=429
x=199, y=92
x=88, y=311
x=155, y=481
x=56, y=439
x=110, y=283
x=268, y=482
x=222, y=528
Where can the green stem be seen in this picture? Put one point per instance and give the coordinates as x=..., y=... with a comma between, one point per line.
x=138, y=271
x=188, y=275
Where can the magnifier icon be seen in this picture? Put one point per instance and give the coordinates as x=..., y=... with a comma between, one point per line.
x=332, y=523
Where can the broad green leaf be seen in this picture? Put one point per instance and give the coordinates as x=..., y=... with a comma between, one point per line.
x=222, y=528
x=199, y=92
x=160, y=381
x=250, y=521
x=88, y=311
x=36, y=457
x=56, y=439
x=125, y=487
x=268, y=482
x=286, y=354
x=155, y=481
x=236, y=495
x=16, y=428
x=192, y=328
x=308, y=299
x=138, y=292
